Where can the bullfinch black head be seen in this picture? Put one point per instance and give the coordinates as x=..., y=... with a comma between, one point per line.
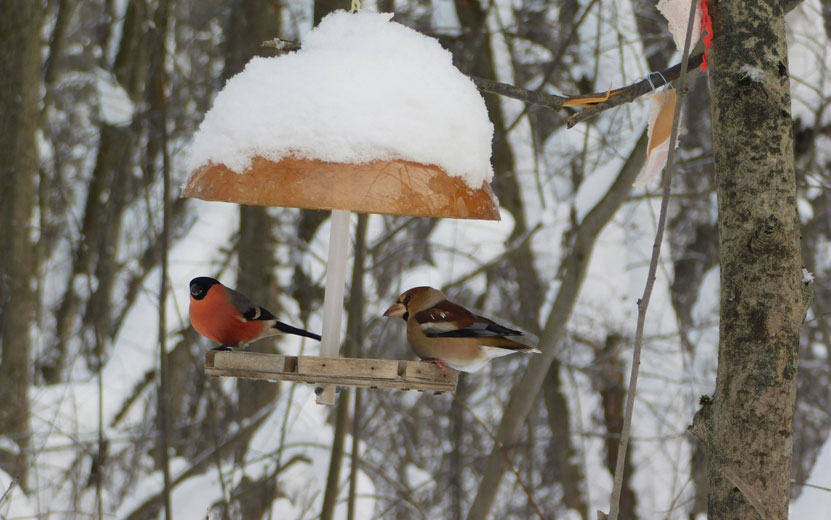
x=199, y=286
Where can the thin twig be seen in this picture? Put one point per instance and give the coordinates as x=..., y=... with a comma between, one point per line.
x=643, y=303
x=620, y=96
x=159, y=78
x=822, y=488
x=7, y=493
x=99, y=467
x=354, y=341
x=507, y=459
x=636, y=90
x=529, y=96
x=615, y=97
x=518, y=243
x=556, y=60
x=199, y=463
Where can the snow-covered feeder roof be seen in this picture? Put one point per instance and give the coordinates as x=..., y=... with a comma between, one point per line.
x=369, y=116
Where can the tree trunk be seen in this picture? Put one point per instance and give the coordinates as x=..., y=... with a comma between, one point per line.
x=20, y=86
x=354, y=347
x=748, y=426
x=563, y=456
x=158, y=157
x=96, y=250
x=609, y=377
x=250, y=23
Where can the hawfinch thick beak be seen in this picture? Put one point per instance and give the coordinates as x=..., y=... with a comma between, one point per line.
x=397, y=310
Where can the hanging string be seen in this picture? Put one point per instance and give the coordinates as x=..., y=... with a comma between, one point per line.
x=651, y=84
x=666, y=84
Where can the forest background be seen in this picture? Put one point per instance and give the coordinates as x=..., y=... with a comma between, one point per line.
x=111, y=93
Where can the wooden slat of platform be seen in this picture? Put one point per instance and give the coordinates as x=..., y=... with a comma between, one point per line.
x=359, y=372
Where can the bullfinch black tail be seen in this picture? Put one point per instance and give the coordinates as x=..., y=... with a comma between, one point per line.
x=288, y=329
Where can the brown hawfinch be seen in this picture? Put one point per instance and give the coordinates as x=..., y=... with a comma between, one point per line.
x=445, y=333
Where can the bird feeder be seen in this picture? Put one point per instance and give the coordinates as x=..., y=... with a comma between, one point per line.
x=341, y=126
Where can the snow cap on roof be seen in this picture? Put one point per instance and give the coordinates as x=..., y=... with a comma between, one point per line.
x=362, y=88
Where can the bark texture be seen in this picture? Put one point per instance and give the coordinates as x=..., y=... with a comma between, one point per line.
x=20, y=70
x=748, y=427
x=250, y=23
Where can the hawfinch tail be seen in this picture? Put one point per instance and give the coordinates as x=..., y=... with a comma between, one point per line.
x=230, y=318
x=441, y=331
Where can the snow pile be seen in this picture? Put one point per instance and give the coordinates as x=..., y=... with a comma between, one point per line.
x=362, y=88
x=754, y=73
x=115, y=106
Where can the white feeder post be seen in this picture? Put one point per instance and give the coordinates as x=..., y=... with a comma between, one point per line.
x=333, y=297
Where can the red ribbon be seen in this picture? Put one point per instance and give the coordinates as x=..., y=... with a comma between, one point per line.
x=707, y=25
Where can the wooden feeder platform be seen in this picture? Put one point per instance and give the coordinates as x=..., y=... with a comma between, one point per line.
x=358, y=372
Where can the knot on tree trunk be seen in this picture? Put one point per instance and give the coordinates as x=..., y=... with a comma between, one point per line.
x=770, y=235
x=702, y=423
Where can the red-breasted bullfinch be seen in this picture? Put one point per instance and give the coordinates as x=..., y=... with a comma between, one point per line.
x=445, y=333
x=223, y=315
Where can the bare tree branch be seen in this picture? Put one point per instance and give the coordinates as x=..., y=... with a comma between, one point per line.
x=575, y=265
x=643, y=303
x=157, y=98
